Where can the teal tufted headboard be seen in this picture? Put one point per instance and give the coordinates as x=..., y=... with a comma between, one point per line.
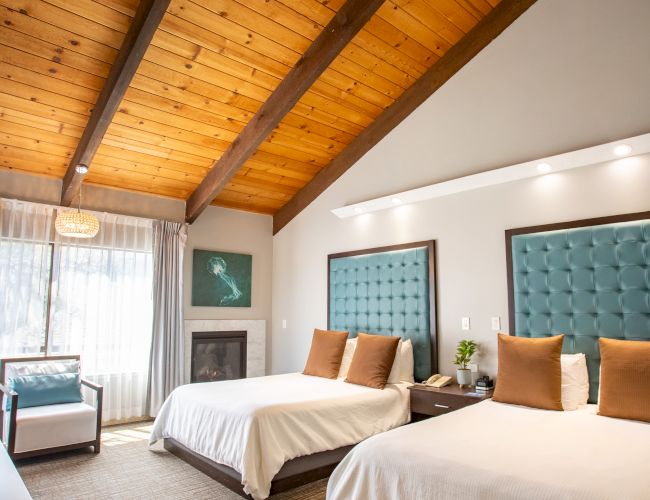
x=387, y=291
x=585, y=279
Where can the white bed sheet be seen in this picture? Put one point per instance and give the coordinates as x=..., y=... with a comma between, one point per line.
x=255, y=425
x=497, y=451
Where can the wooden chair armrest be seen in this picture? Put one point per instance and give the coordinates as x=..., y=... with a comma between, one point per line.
x=8, y=392
x=100, y=403
x=93, y=386
x=11, y=438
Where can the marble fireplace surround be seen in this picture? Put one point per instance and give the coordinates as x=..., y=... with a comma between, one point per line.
x=255, y=341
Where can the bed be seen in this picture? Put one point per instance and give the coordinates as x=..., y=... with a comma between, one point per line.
x=586, y=280
x=484, y=452
x=270, y=420
x=263, y=435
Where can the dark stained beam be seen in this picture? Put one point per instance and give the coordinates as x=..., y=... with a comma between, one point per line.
x=502, y=16
x=337, y=34
x=143, y=26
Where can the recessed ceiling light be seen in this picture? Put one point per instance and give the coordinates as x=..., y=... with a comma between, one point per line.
x=543, y=167
x=396, y=201
x=358, y=210
x=622, y=150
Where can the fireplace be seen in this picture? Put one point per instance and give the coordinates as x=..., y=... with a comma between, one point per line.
x=218, y=356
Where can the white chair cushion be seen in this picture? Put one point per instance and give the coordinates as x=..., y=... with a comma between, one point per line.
x=55, y=425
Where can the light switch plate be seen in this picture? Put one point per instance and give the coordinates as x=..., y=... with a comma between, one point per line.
x=464, y=323
x=284, y=323
x=496, y=323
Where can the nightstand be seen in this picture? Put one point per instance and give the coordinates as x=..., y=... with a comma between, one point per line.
x=427, y=401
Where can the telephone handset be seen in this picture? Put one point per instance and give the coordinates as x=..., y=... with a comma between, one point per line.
x=438, y=380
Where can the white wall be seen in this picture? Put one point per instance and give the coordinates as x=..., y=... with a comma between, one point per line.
x=565, y=75
x=241, y=232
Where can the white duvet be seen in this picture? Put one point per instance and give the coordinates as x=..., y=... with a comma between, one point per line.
x=494, y=451
x=255, y=425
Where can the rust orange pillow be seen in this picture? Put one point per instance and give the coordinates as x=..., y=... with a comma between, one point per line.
x=529, y=372
x=624, y=379
x=326, y=353
x=372, y=360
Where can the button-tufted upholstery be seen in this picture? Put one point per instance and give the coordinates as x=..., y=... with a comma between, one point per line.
x=586, y=283
x=384, y=293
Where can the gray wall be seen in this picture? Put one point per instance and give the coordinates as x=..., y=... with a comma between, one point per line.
x=240, y=232
x=216, y=229
x=566, y=75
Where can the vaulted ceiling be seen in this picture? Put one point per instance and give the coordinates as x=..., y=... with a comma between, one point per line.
x=210, y=67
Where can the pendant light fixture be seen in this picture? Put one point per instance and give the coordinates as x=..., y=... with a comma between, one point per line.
x=77, y=224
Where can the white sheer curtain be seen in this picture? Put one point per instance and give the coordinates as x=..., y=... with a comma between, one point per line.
x=25, y=251
x=99, y=292
x=102, y=309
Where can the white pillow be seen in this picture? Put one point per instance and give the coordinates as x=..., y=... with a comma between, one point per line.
x=407, y=363
x=395, y=372
x=575, y=381
x=45, y=367
x=350, y=346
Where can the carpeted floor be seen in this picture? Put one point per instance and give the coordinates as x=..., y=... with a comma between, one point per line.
x=126, y=469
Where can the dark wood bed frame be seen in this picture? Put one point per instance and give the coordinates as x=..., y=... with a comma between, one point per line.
x=294, y=473
x=308, y=468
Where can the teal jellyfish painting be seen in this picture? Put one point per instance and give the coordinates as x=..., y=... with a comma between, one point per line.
x=221, y=279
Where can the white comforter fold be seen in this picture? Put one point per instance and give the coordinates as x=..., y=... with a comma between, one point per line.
x=495, y=451
x=255, y=425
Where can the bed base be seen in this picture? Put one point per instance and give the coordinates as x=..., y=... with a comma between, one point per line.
x=294, y=473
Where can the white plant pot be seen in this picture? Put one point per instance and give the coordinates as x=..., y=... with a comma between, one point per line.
x=464, y=377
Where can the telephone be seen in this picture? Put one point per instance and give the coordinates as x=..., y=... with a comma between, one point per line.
x=438, y=380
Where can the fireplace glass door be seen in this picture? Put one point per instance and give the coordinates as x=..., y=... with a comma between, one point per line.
x=218, y=356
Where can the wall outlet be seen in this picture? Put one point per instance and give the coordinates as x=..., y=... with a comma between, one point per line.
x=284, y=324
x=496, y=323
x=464, y=323
x=473, y=367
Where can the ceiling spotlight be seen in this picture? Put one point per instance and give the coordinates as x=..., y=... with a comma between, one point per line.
x=81, y=169
x=357, y=210
x=396, y=201
x=622, y=150
x=543, y=168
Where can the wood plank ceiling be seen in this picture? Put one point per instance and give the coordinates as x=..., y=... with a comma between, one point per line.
x=209, y=68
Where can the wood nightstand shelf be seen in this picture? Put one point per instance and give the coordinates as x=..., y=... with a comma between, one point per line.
x=429, y=401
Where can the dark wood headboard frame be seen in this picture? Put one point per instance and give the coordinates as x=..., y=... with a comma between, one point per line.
x=598, y=221
x=433, y=303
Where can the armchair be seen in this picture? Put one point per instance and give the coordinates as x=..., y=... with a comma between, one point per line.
x=28, y=429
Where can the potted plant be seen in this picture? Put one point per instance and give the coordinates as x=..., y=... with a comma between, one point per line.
x=464, y=352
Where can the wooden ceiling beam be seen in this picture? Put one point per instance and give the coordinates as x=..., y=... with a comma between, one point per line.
x=143, y=26
x=502, y=16
x=337, y=34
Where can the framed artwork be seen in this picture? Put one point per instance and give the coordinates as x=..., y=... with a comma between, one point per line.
x=221, y=279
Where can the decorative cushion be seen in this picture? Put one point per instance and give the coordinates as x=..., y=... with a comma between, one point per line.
x=372, y=361
x=624, y=379
x=41, y=390
x=530, y=372
x=326, y=353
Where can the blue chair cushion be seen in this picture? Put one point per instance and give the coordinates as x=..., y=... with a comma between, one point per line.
x=42, y=390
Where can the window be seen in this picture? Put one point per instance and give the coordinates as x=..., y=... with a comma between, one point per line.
x=87, y=297
x=24, y=283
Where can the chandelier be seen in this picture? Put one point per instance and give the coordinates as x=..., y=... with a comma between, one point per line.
x=77, y=224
